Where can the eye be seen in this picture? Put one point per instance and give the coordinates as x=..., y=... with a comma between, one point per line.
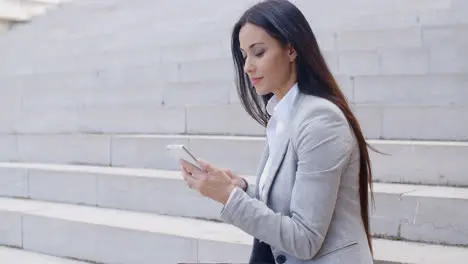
x=260, y=53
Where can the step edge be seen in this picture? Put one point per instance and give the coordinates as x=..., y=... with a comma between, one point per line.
x=416, y=246
x=14, y=252
x=402, y=189
x=405, y=142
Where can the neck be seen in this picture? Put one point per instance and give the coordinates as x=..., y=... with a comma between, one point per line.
x=284, y=89
x=281, y=92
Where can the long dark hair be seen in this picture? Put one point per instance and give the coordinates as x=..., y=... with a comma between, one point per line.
x=285, y=22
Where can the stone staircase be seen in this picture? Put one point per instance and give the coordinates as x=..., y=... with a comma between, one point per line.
x=128, y=215
x=14, y=12
x=10, y=255
x=93, y=92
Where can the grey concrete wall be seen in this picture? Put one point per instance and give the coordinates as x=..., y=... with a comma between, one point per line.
x=143, y=66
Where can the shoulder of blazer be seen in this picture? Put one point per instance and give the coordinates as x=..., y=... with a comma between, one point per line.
x=314, y=109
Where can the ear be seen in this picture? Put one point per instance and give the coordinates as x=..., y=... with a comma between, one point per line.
x=292, y=54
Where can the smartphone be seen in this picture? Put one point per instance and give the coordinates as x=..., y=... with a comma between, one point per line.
x=180, y=152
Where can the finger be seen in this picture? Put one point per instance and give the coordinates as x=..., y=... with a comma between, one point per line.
x=228, y=172
x=184, y=170
x=185, y=173
x=191, y=181
x=188, y=166
x=206, y=166
x=194, y=172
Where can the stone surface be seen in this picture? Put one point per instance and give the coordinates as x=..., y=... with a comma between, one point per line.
x=52, y=185
x=4, y=26
x=147, y=193
x=406, y=252
x=381, y=20
x=449, y=59
x=358, y=63
x=10, y=107
x=9, y=149
x=15, y=256
x=397, y=52
x=410, y=212
x=14, y=12
x=425, y=123
x=404, y=62
x=132, y=119
x=402, y=65
x=144, y=151
x=371, y=40
x=437, y=36
x=197, y=93
x=430, y=221
x=79, y=149
x=420, y=162
x=14, y=182
x=346, y=84
x=370, y=119
x=105, y=244
x=412, y=91
x=419, y=213
x=431, y=163
x=104, y=235
x=227, y=119
x=444, y=17
x=241, y=154
x=10, y=229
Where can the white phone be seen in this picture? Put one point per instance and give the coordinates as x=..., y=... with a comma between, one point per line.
x=180, y=152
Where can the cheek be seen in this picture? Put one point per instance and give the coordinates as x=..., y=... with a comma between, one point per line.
x=274, y=68
x=266, y=66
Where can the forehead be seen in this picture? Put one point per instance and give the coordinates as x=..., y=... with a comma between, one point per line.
x=250, y=34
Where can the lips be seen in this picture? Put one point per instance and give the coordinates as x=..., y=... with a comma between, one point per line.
x=255, y=80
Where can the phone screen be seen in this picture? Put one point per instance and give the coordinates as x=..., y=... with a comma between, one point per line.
x=180, y=152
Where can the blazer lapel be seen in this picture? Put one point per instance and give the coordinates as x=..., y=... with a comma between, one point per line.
x=261, y=166
x=277, y=160
x=279, y=153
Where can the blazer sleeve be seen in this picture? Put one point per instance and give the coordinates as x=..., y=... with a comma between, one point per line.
x=251, y=190
x=323, y=144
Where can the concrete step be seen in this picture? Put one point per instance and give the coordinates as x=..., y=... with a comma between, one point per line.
x=14, y=12
x=421, y=213
x=111, y=236
x=129, y=101
x=4, y=26
x=411, y=212
x=10, y=255
x=18, y=11
x=419, y=162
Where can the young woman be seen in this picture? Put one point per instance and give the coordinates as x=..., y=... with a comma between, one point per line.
x=310, y=202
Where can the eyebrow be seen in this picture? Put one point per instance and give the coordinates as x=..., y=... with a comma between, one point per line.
x=253, y=44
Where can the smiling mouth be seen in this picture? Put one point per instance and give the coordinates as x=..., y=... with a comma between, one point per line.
x=255, y=80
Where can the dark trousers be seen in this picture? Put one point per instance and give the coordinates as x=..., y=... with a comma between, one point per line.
x=261, y=253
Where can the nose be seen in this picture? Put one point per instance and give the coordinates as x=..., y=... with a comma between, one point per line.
x=248, y=66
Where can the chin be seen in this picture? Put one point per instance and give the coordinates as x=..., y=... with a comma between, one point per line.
x=261, y=91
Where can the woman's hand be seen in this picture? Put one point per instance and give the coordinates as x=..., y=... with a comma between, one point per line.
x=236, y=180
x=213, y=183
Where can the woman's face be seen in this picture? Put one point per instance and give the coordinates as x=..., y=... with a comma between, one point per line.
x=269, y=65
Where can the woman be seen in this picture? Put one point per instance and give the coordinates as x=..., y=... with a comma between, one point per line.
x=310, y=203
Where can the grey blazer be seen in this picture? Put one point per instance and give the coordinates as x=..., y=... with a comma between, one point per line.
x=310, y=212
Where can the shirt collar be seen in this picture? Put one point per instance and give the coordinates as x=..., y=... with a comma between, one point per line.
x=281, y=108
